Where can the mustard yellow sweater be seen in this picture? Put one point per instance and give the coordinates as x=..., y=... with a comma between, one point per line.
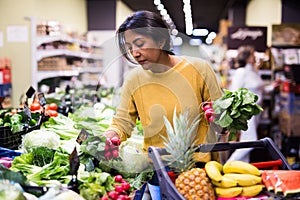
x=150, y=96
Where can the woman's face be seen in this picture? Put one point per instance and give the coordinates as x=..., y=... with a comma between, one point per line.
x=144, y=49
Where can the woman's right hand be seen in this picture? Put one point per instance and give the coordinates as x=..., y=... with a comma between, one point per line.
x=110, y=134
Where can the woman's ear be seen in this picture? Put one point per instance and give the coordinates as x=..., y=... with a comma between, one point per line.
x=162, y=44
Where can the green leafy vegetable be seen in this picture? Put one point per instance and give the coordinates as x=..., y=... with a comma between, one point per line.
x=42, y=156
x=7, y=174
x=235, y=108
x=38, y=138
x=54, y=170
x=95, y=184
x=11, y=191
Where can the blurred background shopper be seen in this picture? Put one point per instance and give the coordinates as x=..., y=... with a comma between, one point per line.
x=246, y=76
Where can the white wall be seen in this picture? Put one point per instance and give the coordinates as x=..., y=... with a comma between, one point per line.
x=12, y=12
x=264, y=13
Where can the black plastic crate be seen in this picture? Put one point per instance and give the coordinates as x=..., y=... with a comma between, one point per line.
x=11, y=140
x=168, y=189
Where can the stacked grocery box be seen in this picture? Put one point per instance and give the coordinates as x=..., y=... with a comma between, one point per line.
x=5, y=82
x=289, y=102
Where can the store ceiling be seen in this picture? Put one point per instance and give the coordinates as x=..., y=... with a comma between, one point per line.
x=205, y=13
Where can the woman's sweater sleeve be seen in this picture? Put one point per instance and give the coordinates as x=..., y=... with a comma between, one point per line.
x=125, y=119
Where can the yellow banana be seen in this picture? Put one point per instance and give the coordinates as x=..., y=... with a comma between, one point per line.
x=225, y=182
x=214, y=170
x=228, y=192
x=251, y=191
x=240, y=167
x=244, y=179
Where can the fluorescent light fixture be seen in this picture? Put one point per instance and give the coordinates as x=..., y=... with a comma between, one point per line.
x=212, y=35
x=187, y=9
x=177, y=41
x=195, y=42
x=200, y=32
x=156, y=2
x=208, y=40
x=164, y=13
x=160, y=6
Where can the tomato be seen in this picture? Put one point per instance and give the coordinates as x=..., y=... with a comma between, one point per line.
x=52, y=106
x=52, y=113
x=35, y=106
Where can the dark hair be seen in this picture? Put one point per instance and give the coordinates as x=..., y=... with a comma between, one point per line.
x=244, y=52
x=145, y=23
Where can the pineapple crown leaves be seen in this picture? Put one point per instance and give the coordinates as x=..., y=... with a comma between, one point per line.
x=181, y=141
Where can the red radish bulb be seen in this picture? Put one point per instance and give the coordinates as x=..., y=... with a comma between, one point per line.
x=116, y=141
x=126, y=186
x=115, y=153
x=119, y=189
x=118, y=178
x=206, y=107
x=211, y=118
x=113, y=195
x=108, y=155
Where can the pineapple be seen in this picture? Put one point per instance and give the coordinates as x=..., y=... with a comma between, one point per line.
x=192, y=182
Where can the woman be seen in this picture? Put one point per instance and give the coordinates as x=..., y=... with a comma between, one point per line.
x=246, y=76
x=164, y=81
x=161, y=83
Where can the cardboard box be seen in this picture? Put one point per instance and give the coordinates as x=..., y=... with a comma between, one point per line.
x=5, y=90
x=289, y=124
x=53, y=63
x=5, y=76
x=289, y=102
x=290, y=87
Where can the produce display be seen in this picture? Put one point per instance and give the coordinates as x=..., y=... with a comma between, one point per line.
x=234, y=178
x=191, y=182
x=284, y=182
x=68, y=157
x=43, y=169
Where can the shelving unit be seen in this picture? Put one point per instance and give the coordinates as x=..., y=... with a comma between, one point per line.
x=62, y=56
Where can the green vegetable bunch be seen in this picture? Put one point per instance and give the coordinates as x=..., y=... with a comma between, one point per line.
x=233, y=110
x=42, y=155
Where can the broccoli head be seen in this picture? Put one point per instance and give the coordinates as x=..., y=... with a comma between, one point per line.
x=42, y=155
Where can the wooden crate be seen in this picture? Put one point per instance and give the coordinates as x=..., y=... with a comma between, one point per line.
x=53, y=63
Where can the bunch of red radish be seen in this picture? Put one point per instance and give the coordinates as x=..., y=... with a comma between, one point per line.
x=208, y=111
x=111, y=149
x=121, y=191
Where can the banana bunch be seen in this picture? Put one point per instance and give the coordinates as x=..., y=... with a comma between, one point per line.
x=234, y=178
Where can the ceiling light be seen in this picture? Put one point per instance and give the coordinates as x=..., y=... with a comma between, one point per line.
x=195, y=42
x=163, y=12
x=200, y=32
x=212, y=35
x=208, y=40
x=166, y=16
x=187, y=9
x=160, y=6
x=174, y=32
x=177, y=41
x=156, y=2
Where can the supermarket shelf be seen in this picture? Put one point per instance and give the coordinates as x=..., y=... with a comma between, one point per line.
x=265, y=72
x=64, y=52
x=91, y=70
x=48, y=39
x=51, y=74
